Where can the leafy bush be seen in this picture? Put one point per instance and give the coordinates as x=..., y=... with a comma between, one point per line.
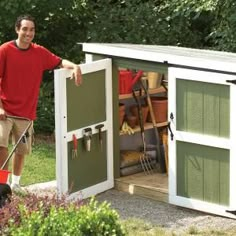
x=169, y=22
x=41, y=216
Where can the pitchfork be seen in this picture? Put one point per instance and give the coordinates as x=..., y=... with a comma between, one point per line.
x=145, y=160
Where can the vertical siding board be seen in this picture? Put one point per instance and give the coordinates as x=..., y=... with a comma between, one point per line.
x=224, y=111
x=195, y=107
x=211, y=175
x=181, y=101
x=211, y=109
x=224, y=180
x=182, y=169
x=195, y=175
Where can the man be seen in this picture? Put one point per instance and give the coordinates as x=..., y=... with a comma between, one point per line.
x=22, y=64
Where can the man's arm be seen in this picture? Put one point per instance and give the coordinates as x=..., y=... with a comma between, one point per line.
x=2, y=111
x=76, y=70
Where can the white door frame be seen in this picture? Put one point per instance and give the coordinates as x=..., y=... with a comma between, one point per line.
x=63, y=137
x=209, y=77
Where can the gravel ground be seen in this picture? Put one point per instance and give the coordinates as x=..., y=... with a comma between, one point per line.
x=170, y=217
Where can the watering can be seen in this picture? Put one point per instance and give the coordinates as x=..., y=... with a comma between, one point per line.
x=127, y=81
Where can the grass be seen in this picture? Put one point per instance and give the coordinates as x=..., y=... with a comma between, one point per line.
x=40, y=165
x=137, y=227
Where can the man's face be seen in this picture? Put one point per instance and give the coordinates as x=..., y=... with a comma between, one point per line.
x=26, y=32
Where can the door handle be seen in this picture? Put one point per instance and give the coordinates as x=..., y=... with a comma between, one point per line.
x=169, y=128
x=171, y=133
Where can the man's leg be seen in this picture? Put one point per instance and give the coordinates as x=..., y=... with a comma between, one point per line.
x=3, y=157
x=5, y=129
x=17, y=166
x=23, y=148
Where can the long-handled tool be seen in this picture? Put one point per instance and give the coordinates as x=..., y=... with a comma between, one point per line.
x=145, y=160
x=158, y=143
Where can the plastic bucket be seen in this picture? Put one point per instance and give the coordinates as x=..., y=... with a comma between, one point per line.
x=154, y=80
x=4, y=176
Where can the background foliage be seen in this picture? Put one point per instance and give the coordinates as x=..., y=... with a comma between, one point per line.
x=61, y=24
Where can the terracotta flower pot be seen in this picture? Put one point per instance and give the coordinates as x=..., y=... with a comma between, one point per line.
x=159, y=105
x=134, y=112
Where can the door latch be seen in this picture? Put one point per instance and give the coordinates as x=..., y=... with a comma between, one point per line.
x=231, y=81
x=171, y=133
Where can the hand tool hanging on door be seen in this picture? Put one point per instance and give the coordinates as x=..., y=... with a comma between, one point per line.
x=158, y=143
x=145, y=159
x=75, y=146
x=87, y=134
x=99, y=128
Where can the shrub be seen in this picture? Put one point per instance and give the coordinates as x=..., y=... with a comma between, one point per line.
x=39, y=216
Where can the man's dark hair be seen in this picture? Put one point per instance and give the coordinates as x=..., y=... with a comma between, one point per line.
x=23, y=17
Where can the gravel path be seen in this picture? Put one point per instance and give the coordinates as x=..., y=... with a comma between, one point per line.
x=170, y=217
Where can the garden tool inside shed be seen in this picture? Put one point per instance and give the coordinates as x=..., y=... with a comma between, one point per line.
x=99, y=128
x=145, y=159
x=158, y=142
x=87, y=136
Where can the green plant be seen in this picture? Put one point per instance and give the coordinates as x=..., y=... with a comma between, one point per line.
x=45, y=122
x=42, y=216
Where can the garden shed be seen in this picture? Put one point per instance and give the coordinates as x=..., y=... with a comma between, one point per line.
x=201, y=90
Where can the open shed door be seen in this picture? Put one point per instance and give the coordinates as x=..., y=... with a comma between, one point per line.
x=202, y=165
x=79, y=110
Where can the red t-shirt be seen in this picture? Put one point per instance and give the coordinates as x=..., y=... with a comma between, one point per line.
x=21, y=74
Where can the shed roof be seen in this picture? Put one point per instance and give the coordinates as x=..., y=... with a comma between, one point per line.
x=198, y=58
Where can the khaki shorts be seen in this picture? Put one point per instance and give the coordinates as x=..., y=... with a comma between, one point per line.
x=15, y=128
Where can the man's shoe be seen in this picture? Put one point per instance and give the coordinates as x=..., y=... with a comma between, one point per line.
x=17, y=189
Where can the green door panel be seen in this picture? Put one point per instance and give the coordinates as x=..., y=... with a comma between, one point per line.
x=203, y=173
x=88, y=168
x=202, y=108
x=86, y=104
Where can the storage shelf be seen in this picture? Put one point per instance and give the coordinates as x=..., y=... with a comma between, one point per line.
x=148, y=126
x=151, y=91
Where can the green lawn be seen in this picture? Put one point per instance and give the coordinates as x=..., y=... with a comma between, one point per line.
x=40, y=165
x=137, y=227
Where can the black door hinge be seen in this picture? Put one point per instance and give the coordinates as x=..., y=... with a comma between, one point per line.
x=231, y=81
x=231, y=211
